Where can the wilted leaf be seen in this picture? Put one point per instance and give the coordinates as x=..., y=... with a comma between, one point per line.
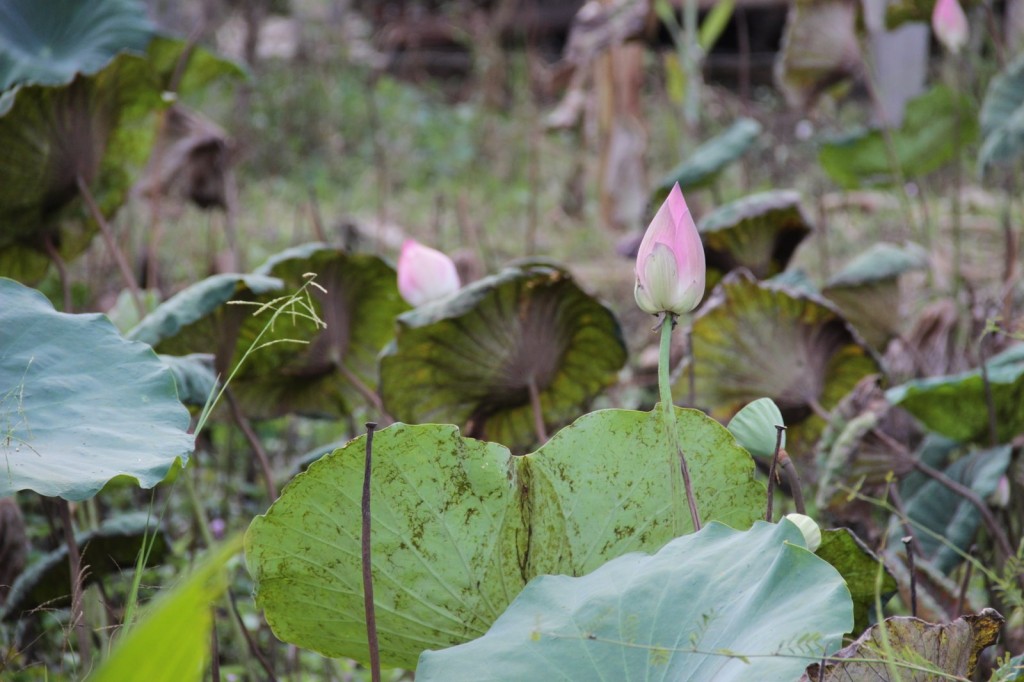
x=707, y=161
x=935, y=126
x=470, y=358
x=460, y=525
x=48, y=41
x=955, y=406
x=696, y=610
x=921, y=652
x=754, y=339
x=820, y=49
x=867, y=290
x=79, y=404
x=759, y=232
x=106, y=551
x=1002, y=117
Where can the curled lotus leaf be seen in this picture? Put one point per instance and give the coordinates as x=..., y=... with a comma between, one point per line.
x=476, y=357
x=759, y=232
x=707, y=161
x=755, y=339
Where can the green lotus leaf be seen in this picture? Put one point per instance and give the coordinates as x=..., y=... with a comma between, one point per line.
x=820, y=50
x=95, y=127
x=48, y=41
x=860, y=568
x=920, y=651
x=199, y=319
x=759, y=232
x=867, y=290
x=330, y=375
x=79, y=404
x=935, y=126
x=955, y=406
x=695, y=610
x=107, y=550
x=706, y=162
x=754, y=339
x=754, y=427
x=471, y=358
x=935, y=507
x=461, y=525
x=1002, y=117
x=194, y=377
x=145, y=652
x=200, y=68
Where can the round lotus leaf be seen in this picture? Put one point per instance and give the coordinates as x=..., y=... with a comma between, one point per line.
x=755, y=339
x=79, y=404
x=1002, y=117
x=820, y=49
x=94, y=127
x=935, y=127
x=867, y=290
x=759, y=232
x=754, y=427
x=470, y=358
x=461, y=525
x=320, y=378
x=49, y=41
x=707, y=161
x=719, y=605
x=955, y=406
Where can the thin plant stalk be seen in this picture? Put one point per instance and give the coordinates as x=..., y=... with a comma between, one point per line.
x=371, y=618
x=668, y=321
x=78, y=621
x=908, y=542
x=254, y=443
x=773, y=473
x=793, y=478
x=108, y=237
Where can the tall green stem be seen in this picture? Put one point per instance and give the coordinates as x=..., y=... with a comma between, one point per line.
x=668, y=322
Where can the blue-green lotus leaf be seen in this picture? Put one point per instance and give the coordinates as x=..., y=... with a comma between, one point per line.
x=49, y=41
x=79, y=404
x=719, y=604
x=754, y=427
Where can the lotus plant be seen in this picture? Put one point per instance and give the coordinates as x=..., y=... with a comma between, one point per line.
x=425, y=274
x=670, y=273
x=950, y=24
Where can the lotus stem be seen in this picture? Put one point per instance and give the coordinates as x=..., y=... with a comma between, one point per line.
x=62, y=271
x=78, y=621
x=773, y=473
x=538, y=415
x=668, y=321
x=908, y=542
x=254, y=443
x=371, y=618
x=793, y=478
x=961, y=600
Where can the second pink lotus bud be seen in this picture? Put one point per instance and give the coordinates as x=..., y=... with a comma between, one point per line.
x=425, y=274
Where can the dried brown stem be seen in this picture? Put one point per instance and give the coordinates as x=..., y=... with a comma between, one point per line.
x=908, y=542
x=78, y=621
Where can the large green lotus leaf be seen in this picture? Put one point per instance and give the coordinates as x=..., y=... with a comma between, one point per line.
x=94, y=127
x=820, y=49
x=867, y=289
x=611, y=483
x=469, y=358
x=860, y=568
x=714, y=605
x=707, y=161
x=460, y=525
x=754, y=339
x=935, y=507
x=955, y=406
x=146, y=652
x=759, y=232
x=920, y=651
x=79, y=404
x=359, y=308
x=49, y=41
x=199, y=319
x=107, y=550
x=1002, y=117
x=936, y=124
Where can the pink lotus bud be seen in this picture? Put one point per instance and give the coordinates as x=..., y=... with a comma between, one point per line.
x=670, y=264
x=950, y=24
x=425, y=274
